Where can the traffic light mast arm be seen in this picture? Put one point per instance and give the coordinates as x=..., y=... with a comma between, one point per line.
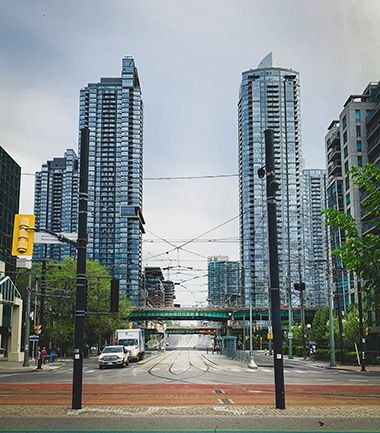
x=60, y=237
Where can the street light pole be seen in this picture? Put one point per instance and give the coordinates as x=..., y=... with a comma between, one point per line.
x=251, y=362
x=271, y=188
x=361, y=327
x=27, y=321
x=81, y=294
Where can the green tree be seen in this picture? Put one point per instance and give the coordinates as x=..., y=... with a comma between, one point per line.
x=320, y=327
x=60, y=302
x=361, y=253
x=350, y=327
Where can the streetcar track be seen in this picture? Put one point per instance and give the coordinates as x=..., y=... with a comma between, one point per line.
x=178, y=379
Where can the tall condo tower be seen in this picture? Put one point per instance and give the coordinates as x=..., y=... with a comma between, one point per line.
x=353, y=140
x=314, y=232
x=113, y=112
x=223, y=281
x=269, y=99
x=56, y=203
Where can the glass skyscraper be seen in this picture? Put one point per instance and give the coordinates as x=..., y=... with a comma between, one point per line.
x=56, y=203
x=269, y=99
x=113, y=111
x=223, y=281
x=10, y=177
x=314, y=232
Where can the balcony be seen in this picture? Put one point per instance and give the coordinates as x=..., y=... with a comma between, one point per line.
x=335, y=169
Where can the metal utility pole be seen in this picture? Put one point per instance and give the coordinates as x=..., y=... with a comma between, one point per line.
x=81, y=294
x=290, y=319
x=330, y=294
x=272, y=187
x=42, y=303
x=251, y=361
x=27, y=321
x=361, y=328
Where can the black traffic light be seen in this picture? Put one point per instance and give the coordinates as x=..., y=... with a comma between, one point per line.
x=299, y=286
x=114, y=307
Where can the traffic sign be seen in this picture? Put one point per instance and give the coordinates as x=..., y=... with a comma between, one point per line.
x=47, y=238
x=34, y=337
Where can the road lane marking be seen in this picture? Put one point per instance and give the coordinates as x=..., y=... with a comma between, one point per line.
x=358, y=380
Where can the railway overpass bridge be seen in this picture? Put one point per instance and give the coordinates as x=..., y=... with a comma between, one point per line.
x=214, y=314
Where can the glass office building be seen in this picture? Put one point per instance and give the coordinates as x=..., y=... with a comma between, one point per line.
x=269, y=99
x=10, y=177
x=56, y=203
x=113, y=111
x=223, y=282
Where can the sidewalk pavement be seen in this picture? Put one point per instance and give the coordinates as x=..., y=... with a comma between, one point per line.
x=17, y=367
x=326, y=364
x=263, y=360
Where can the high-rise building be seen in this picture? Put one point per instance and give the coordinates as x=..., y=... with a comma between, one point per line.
x=223, y=281
x=56, y=203
x=169, y=293
x=10, y=177
x=269, y=99
x=113, y=111
x=353, y=140
x=154, y=287
x=314, y=233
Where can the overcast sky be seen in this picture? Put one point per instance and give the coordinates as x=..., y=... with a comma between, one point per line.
x=190, y=56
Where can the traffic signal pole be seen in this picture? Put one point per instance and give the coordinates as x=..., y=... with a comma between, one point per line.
x=81, y=294
x=27, y=321
x=42, y=302
x=272, y=187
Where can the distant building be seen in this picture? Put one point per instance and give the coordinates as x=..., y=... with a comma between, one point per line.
x=223, y=282
x=315, y=243
x=113, y=111
x=353, y=140
x=153, y=281
x=56, y=203
x=169, y=294
x=10, y=177
x=269, y=99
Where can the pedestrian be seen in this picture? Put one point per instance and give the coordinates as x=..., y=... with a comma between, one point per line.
x=44, y=355
x=52, y=356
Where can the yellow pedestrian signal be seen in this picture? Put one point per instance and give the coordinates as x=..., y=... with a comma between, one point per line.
x=37, y=329
x=23, y=235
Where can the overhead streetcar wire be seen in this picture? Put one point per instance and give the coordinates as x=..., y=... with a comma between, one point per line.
x=207, y=176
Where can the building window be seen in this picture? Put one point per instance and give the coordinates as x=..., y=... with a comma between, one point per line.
x=347, y=182
x=368, y=114
x=360, y=161
x=345, y=151
x=344, y=122
x=359, y=146
x=358, y=131
x=346, y=166
x=344, y=136
x=357, y=116
x=348, y=199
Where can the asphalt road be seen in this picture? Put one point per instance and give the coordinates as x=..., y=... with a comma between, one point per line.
x=195, y=367
x=178, y=391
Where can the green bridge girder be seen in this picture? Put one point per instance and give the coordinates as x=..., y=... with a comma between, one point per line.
x=213, y=314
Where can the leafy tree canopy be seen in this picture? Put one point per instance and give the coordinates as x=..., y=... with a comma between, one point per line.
x=60, y=301
x=361, y=253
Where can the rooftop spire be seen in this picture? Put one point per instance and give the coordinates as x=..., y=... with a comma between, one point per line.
x=267, y=62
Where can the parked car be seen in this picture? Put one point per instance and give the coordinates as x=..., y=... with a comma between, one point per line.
x=112, y=356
